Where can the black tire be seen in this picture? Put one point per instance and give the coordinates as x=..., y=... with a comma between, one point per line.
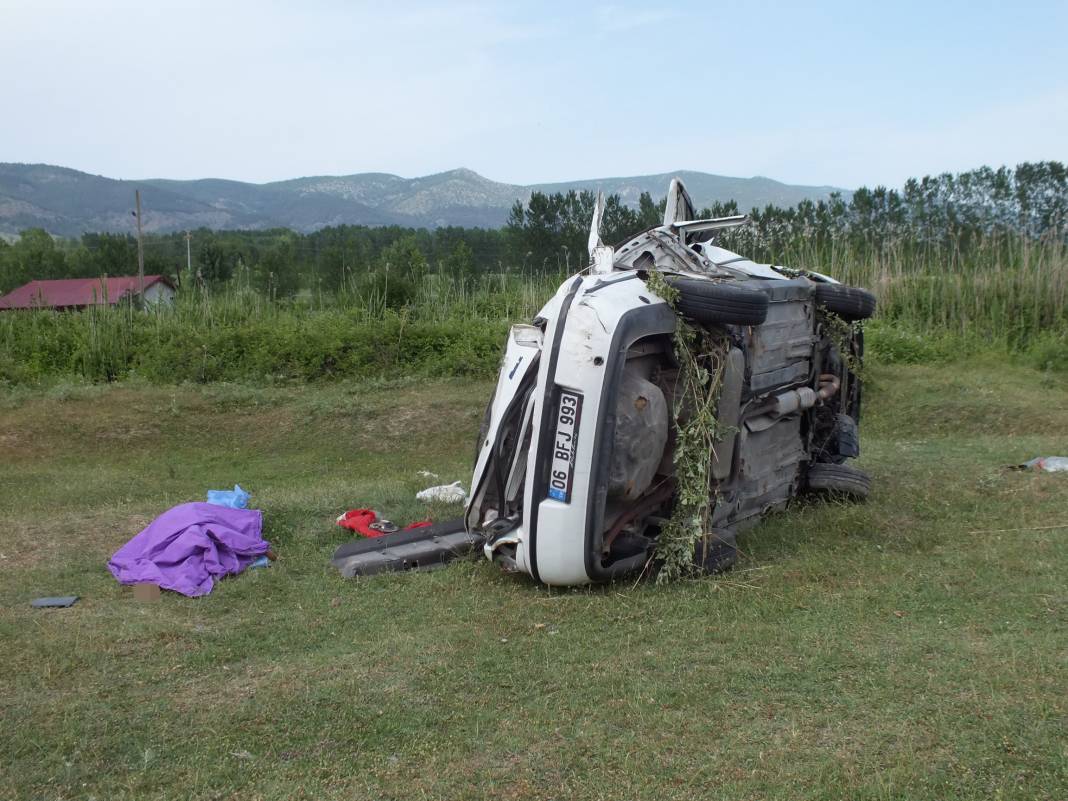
x=838, y=480
x=712, y=303
x=717, y=551
x=848, y=302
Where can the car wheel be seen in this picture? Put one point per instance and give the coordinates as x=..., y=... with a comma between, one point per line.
x=848, y=302
x=717, y=551
x=712, y=303
x=839, y=480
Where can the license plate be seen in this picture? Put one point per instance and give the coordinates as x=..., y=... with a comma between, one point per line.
x=562, y=471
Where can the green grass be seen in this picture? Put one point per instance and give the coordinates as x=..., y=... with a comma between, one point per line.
x=906, y=648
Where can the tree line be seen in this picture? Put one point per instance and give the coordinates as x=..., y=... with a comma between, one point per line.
x=548, y=234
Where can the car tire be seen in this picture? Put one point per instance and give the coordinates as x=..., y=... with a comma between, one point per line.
x=711, y=303
x=838, y=480
x=848, y=302
x=717, y=551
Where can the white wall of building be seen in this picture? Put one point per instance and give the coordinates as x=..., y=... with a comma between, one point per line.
x=159, y=292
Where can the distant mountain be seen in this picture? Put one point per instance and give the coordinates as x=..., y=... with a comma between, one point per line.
x=67, y=202
x=705, y=189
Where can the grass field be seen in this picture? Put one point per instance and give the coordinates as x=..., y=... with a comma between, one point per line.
x=912, y=647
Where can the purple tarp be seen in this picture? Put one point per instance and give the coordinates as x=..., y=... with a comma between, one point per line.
x=187, y=547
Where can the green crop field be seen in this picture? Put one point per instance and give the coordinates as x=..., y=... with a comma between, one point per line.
x=911, y=647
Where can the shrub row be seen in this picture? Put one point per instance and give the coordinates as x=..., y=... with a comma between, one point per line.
x=276, y=348
x=283, y=345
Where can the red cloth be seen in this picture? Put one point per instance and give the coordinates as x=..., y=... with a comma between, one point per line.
x=360, y=520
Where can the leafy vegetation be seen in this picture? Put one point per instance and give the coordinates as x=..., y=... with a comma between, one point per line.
x=695, y=397
x=240, y=337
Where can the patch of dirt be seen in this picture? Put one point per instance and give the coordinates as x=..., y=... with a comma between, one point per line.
x=29, y=544
x=10, y=440
x=126, y=433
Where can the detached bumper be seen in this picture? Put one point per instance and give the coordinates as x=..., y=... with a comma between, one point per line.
x=420, y=549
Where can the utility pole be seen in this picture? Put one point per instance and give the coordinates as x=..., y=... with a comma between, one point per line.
x=140, y=248
x=188, y=257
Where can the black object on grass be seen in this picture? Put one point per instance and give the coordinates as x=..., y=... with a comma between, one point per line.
x=59, y=600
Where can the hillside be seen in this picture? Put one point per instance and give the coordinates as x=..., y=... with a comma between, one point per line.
x=68, y=202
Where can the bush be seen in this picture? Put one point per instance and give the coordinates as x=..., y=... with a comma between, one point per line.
x=898, y=344
x=1049, y=352
x=281, y=346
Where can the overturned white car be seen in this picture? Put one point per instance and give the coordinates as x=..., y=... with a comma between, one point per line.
x=575, y=471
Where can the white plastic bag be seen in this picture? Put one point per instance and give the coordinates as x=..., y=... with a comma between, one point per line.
x=445, y=493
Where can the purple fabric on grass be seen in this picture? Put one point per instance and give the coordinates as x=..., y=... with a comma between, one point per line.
x=186, y=548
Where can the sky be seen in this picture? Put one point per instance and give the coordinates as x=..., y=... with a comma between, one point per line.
x=825, y=93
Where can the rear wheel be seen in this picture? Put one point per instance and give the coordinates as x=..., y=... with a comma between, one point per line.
x=717, y=551
x=711, y=303
x=838, y=480
x=848, y=302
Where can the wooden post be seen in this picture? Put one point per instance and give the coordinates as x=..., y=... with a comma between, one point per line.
x=140, y=249
x=188, y=259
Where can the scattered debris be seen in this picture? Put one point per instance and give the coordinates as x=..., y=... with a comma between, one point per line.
x=428, y=474
x=236, y=498
x=445, y=493
x=54, y=601
x=369, y=524
x=425, y=548
x=1048, y=464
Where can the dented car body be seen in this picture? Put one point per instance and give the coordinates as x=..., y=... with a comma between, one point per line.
x=574, y=471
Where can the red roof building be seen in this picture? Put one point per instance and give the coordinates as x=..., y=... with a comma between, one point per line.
x=77, y=293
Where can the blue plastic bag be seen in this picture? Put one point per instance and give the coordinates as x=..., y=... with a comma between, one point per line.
x=236, y=498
